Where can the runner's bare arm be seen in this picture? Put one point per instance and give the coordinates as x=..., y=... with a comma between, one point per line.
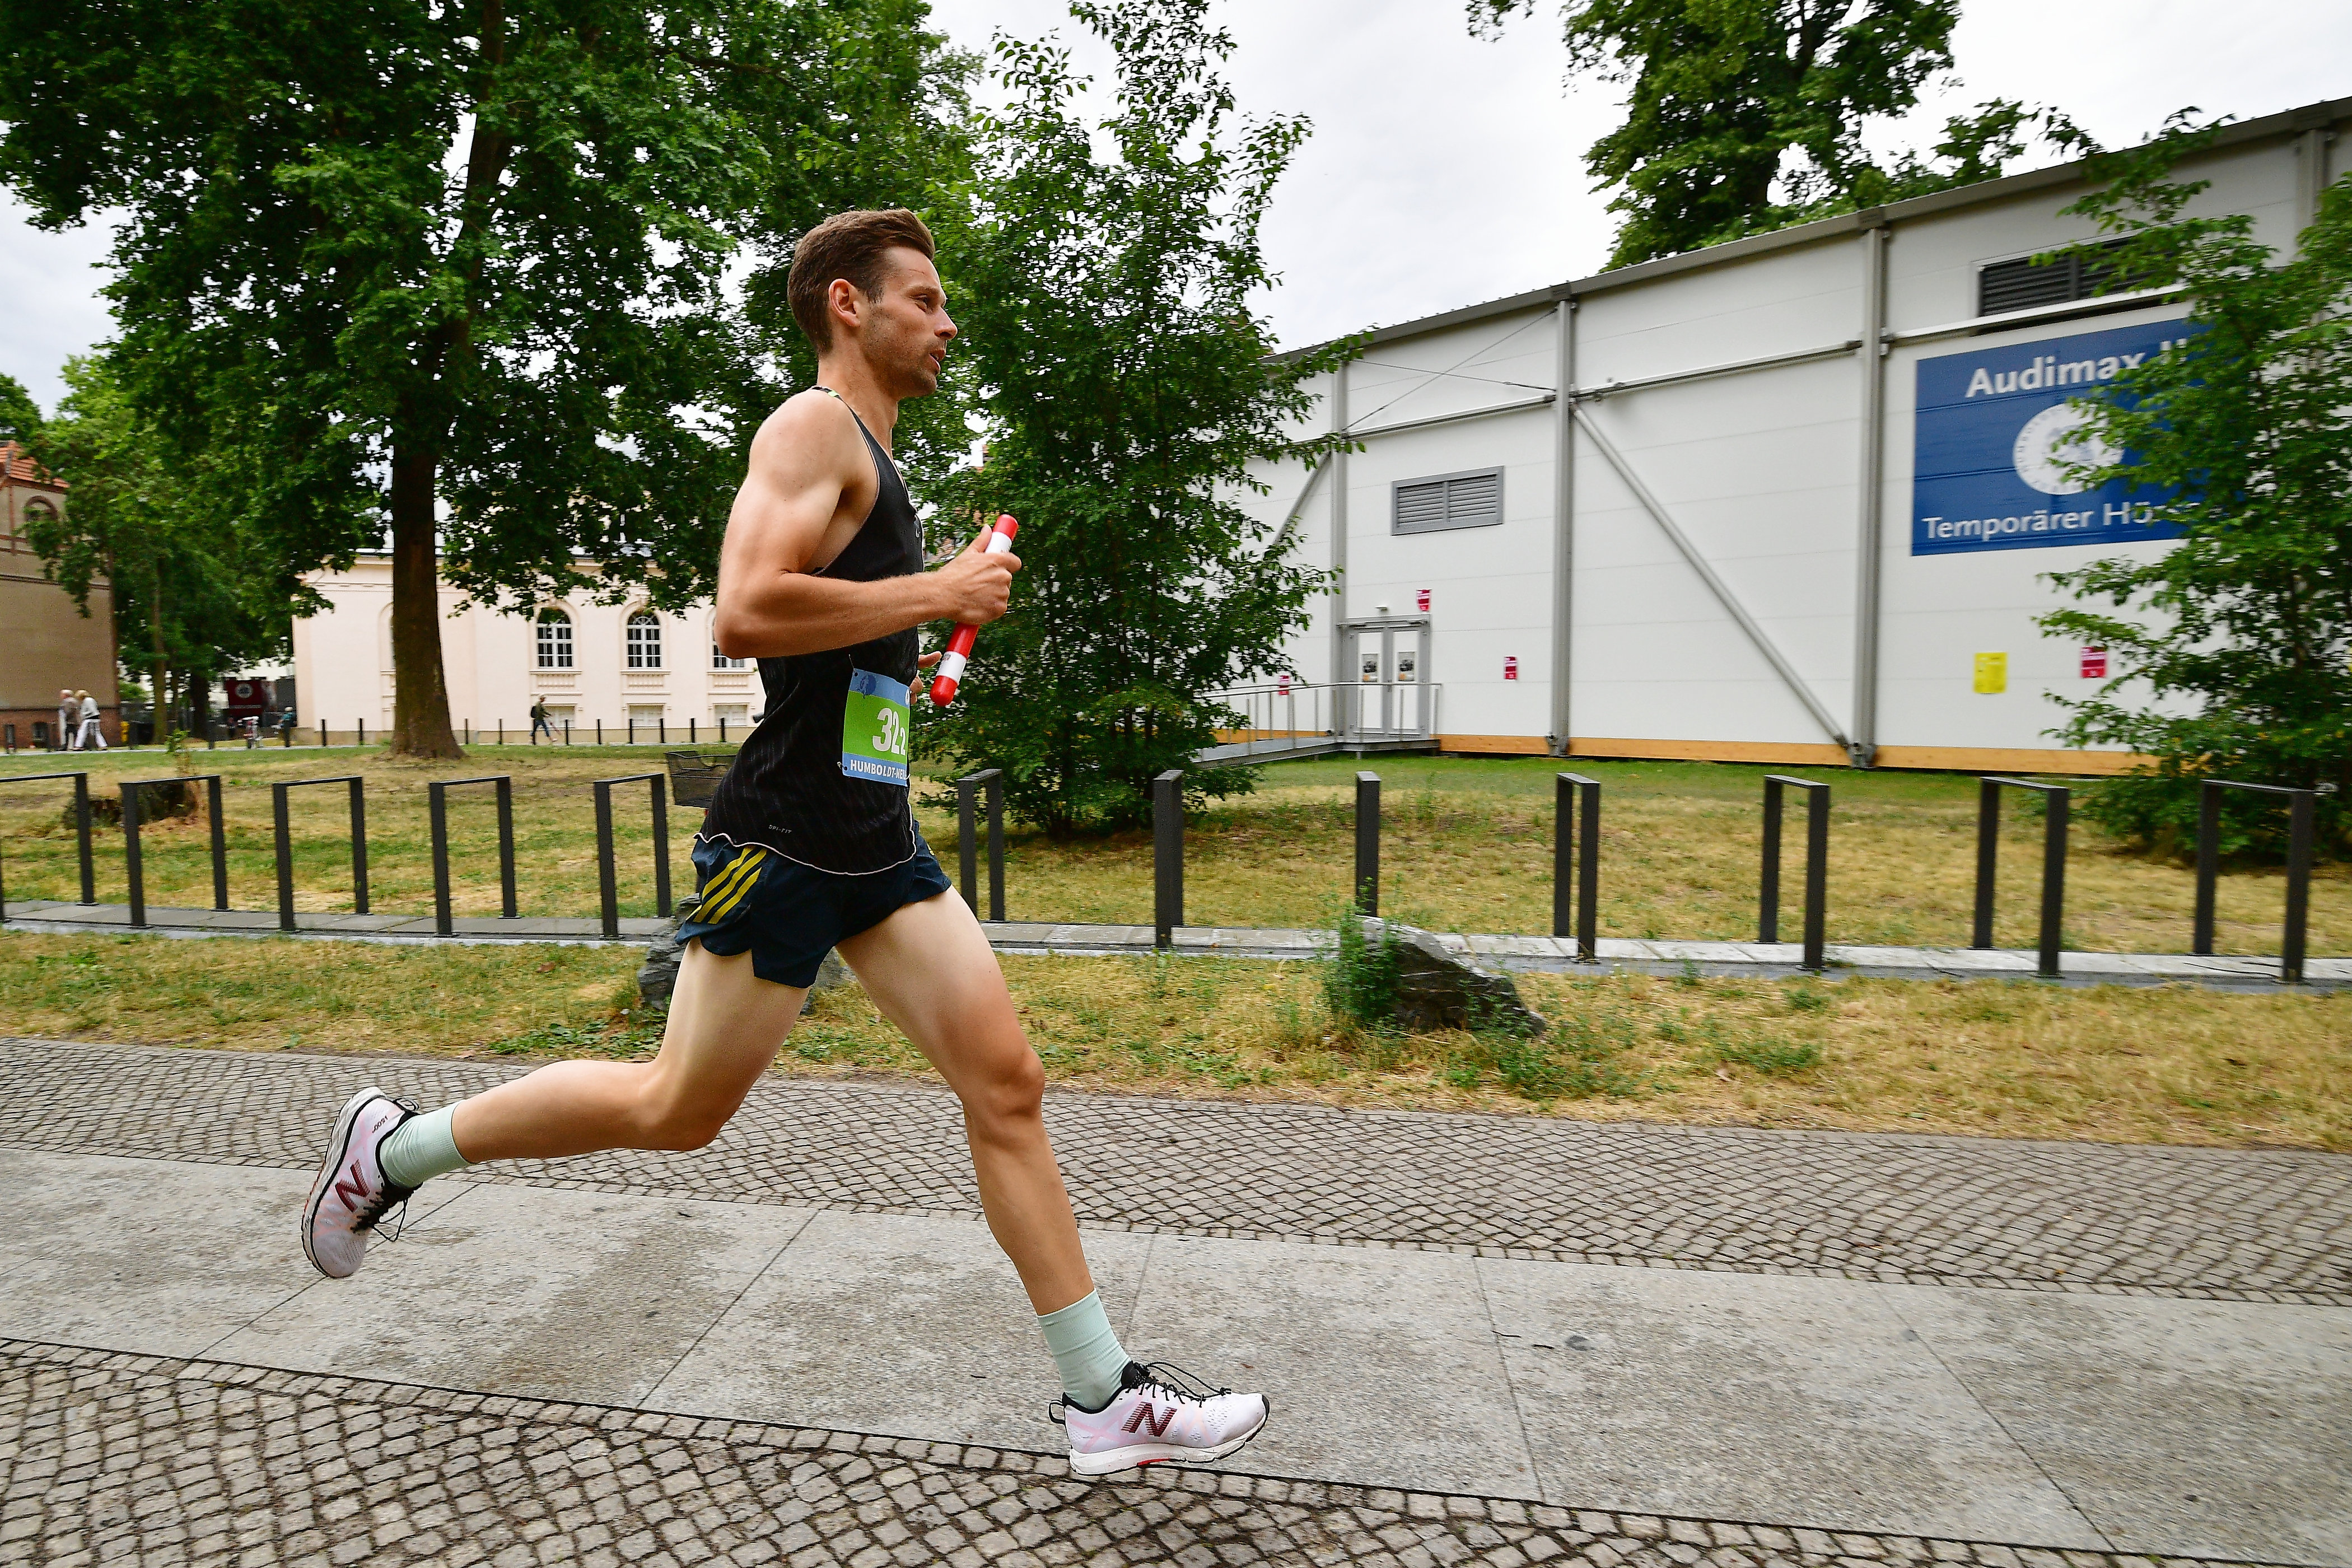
x=809, y=485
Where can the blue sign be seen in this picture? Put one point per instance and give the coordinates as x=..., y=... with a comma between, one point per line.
x=1987, y=469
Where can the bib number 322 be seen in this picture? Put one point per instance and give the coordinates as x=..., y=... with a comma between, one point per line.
x=876, y=730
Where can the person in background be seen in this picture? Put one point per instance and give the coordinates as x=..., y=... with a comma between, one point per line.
x=541, y=719
x=91, y=732
x=68, y=720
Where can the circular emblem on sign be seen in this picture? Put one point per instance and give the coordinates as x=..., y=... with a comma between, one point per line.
x=2042, y=463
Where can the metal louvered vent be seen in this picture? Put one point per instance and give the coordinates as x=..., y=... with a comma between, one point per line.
x=2020, y=285
x=1470, y=499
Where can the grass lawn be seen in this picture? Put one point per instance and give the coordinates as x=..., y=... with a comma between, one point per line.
x=2011, y=1059
x=1466, y=846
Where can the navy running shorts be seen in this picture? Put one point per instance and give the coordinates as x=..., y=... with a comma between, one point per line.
x=788, y=916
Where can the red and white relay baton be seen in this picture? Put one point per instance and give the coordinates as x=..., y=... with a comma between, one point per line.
x=958, y=650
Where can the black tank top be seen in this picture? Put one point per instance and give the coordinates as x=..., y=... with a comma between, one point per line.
x=817, y=781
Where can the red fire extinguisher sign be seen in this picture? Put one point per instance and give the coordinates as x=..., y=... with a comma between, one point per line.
x=1510, y=667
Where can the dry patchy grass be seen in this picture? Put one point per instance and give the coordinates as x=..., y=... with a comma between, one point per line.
x=2010, y=1059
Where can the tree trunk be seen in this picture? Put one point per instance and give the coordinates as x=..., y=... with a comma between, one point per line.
x=420, y=704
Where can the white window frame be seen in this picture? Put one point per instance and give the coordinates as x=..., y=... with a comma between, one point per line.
x=560, y=655
x=642, y=628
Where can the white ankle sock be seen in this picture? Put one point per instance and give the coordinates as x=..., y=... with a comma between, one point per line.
x=1085, y=1352
x=422, y=1148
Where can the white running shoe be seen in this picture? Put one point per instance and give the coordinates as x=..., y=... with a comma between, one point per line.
x=1161, y=1414
x=353, y=1193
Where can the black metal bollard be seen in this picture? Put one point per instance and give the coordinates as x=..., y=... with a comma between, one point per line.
x=1167, y=857
x=2055, y=800
x=2302, y=816
x=607, y=886
x=1368, y=844
x=1817, y=866
x=437, y=799
x=1576, y=849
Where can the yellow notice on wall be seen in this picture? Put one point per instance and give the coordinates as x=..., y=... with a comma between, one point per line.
x=1992, y=673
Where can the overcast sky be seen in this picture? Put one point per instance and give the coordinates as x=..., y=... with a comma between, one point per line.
x=1445, y=169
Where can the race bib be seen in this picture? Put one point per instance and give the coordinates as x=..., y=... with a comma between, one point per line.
x=877, y=731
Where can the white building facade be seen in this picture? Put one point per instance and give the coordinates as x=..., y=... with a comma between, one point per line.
x=629, y=667
x=1797, y=505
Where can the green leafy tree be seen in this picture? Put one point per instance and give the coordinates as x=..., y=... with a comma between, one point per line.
x=1104, y=275
x=1748, y=115
x=459, y=273
x=187, y=606
x=2239, y=635
x=20, y=417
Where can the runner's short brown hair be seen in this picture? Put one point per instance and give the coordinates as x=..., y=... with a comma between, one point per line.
x=850, y=245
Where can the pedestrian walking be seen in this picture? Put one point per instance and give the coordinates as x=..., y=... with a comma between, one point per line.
x=90, y=733
x=541, y=719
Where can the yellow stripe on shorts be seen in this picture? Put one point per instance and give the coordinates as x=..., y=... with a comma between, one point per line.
x=735, y=882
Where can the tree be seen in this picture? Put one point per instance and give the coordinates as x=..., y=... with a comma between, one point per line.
x=20, y=417
x=1128, y=391
x=1724, y=91
x=2243, y=627
x=459, y=271
x=184, y=595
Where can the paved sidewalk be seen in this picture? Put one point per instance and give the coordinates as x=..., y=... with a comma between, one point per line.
x=801, y=1344
x=1504, y=952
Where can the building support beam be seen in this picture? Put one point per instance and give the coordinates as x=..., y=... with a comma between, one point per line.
x=1337, y=598
x=1715, y=584
x=1563, y=526
x=1870, y=494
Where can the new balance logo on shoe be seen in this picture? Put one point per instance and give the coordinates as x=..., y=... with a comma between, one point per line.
x=355, y=1190
x=1144, y=1417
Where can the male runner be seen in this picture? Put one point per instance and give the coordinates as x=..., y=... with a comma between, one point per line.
x=809, y=844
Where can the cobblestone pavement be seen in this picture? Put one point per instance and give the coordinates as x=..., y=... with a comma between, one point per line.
x=109, y=1459
x=2242, y=1225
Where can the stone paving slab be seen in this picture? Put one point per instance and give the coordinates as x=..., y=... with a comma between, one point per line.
x=111, y=1458
x=2258, y=1224
x=1800, y=1402
x=1769, y=960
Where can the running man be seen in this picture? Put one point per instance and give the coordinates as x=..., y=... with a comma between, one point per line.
x=809, y=844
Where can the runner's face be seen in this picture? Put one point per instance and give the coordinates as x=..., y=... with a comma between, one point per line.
x=906, y=340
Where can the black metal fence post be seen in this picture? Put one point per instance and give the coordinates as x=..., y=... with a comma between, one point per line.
x=2302, y=816
x=436, y=799
x=285, y=842
x=1816, y=867
x=1576, y=863
x=285, y=837
x=969, y=792
x=1167, y=857
x=607, y=876
x=1368, y=844
x=2209, y=863
x=135, y=865
x=220, y=846
x=2056, y=804
x=968, y=840
x=996, y=844
x=81, y=831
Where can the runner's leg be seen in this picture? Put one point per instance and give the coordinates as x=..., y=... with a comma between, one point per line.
x=929, y=969
x=725, y=1027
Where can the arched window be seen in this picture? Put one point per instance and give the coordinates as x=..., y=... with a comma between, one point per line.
x=644, y=640
x=554, y=639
